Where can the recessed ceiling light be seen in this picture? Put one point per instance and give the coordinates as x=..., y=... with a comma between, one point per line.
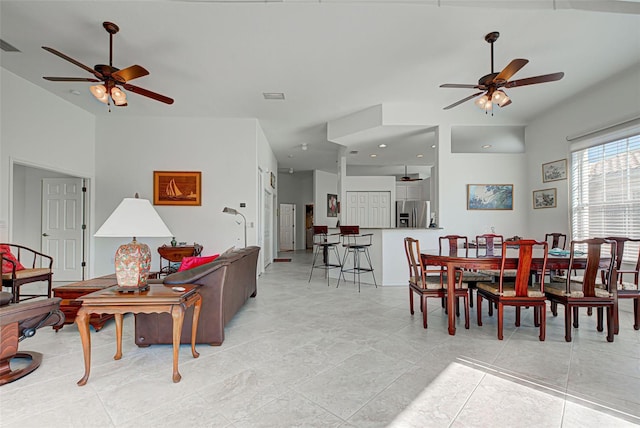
x=433, y=146
x=303, y=146
x=373, y=155
x=419, y=155
x=273, y=95
x=486, y=146
x=382, y=146
x=290, y=156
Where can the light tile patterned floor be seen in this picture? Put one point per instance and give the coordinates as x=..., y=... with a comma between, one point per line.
x=308, y=355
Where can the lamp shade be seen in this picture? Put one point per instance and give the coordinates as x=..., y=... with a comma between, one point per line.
x=134, y=217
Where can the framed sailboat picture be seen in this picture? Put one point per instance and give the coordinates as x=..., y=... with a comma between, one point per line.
x=177, y=188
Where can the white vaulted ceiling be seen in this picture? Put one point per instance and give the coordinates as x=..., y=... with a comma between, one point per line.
x=331, y=59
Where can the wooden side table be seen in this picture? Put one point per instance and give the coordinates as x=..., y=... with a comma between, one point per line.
x=175, y=255
x=158, y=298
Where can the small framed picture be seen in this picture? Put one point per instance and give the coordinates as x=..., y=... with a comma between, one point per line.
x=544, y=198
x=332, y=205
x=554, y=171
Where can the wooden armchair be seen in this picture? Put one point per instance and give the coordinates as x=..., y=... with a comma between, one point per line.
x=593, y=290
x=627, y=281
x=19, y=321
x=518, y=294
x=22, y=265
x=430, y=283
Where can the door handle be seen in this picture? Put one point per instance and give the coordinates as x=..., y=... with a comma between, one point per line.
x=45, y=234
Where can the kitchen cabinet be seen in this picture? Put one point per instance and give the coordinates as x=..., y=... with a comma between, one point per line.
x=408, y=191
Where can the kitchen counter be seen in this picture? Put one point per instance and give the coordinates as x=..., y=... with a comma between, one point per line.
x=387, y=253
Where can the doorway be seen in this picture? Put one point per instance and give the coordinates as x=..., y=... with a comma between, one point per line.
x=308, y=224
x=287, y=227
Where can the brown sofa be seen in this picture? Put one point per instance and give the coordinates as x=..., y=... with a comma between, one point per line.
x=225, y=285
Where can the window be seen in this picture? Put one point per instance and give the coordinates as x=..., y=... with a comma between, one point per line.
x=605, y=191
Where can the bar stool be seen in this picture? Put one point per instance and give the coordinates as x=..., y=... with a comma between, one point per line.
x=356, y=244
x=322, y=244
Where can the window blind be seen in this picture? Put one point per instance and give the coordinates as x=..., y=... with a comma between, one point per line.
x=605, y=192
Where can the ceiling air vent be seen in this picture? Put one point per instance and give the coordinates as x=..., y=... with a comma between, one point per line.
x=7, y=47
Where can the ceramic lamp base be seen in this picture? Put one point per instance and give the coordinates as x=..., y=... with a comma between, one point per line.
x=132, y=262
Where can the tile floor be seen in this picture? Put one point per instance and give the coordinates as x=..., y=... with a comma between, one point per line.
x=307, y=355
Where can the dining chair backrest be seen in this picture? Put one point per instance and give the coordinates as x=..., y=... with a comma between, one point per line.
x=416, y=267
x=452, y=243
x=601, y=259
x=620, y=247
x=320, y=230
x=486, y=244
x=523, y=276
x=556, y=240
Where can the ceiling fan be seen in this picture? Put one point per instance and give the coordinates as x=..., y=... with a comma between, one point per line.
x=491, y=84
x=109, y=76
x=406, y=176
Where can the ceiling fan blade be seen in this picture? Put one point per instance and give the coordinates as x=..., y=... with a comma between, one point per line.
x=71, y=79
x=462, y=101
x=461, y=85
x=533, y=80
x=511, y=69
x=147, y=93
x=73, y=61
x=129, y=73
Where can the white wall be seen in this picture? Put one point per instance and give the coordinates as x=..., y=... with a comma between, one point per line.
x=617, y=99
x=129, y=149
x=324, y=183
x=43, y=131
x=297, y=188
x=267, y=163
x=459, y=169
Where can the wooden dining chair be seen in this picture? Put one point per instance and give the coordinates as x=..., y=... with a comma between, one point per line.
x=430, y=282
x=519, y=293
x=627, y=278
x=458, y=245
x=556, y=240
x=486, y=246
x=594, y=290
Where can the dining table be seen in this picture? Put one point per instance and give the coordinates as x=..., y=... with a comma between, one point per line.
x=469, y=260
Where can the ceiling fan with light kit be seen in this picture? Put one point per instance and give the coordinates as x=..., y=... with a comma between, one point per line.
x=491, y=85
x=406, y=176
x=110, y=78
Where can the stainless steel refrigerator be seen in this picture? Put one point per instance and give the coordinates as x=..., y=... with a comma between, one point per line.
x=415, y=214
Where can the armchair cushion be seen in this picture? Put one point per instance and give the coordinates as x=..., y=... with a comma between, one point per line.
x=7, y=267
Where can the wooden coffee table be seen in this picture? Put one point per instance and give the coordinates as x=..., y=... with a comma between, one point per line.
x=158, y=298
x=71, y=299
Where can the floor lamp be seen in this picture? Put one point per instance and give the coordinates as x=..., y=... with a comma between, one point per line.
x=236, y=212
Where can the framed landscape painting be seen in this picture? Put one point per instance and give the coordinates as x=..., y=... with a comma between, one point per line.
x=544, y=198
x=177, y=188
x=489, y=196
x=554, y=171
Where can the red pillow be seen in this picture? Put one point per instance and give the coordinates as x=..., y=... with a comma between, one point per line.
x=6, y=254
x=191, y=262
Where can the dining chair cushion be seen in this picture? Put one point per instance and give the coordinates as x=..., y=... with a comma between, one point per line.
x=559, y=289
x=574, y=278
x=27, y=273
x=432, y=282
x=508, y=273
x=509, y=291
x=628, y=286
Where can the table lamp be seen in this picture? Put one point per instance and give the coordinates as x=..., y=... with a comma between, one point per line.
x=133, y=217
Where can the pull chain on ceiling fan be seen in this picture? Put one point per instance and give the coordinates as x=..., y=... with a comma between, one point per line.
x=491, y=84
x=109, y=77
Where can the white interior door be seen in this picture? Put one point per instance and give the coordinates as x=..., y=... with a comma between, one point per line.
x=268, y=229
x=62, y=232
x=287, y=227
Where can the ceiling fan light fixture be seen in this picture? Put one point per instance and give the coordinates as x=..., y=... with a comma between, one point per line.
x=483, y=101
x=100, y=92
x=118, y=96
